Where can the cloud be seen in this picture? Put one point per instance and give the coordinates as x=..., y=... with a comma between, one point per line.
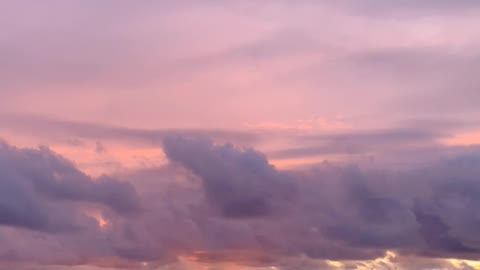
x=436, y=234
x=220, y=203
x=47, y=174
x=360, y=142
x=124, y=46
x=52, y=128
x=45, y=203
x=241, y=183
x=47, y=206
x=421, y=134
x=443, y=73
x=409, y=7
x=225, y=204
x=367, y=210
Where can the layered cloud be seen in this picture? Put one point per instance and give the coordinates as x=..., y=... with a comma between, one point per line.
x=376, y=56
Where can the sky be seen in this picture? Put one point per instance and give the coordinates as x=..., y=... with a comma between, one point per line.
x=239, y=135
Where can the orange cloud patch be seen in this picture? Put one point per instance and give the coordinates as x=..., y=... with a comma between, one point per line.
x=115, y=158
x=464, y=139
x=98, y=216
x=315, y=124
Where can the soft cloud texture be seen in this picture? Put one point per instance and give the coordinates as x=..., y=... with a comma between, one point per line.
x=369, y=53
x=162, y=122
x=33, y=179
x=229, y=204
x=240, y=184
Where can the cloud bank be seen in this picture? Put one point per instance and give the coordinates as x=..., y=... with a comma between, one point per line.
x=220, y=203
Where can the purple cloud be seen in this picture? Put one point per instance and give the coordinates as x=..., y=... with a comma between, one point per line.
x=224, y=200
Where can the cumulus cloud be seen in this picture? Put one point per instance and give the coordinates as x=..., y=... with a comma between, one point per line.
x=241, y=183
x=368, y=211
x=219, y=203
x=364, y=210
x=42, y=172
x=46, y=203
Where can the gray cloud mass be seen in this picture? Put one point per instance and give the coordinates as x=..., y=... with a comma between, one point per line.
x=225, y=200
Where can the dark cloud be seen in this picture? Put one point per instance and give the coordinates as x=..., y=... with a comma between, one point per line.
x=233, y=206
x=368, y=211
x=241, y=183
x=36, y=182
x=49, y=209
x=402, y=210
x=436, y=233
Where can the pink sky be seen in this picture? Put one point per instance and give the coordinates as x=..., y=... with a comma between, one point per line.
x=110, y=86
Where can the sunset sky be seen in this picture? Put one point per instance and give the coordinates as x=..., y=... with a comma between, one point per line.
x=239, y=135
